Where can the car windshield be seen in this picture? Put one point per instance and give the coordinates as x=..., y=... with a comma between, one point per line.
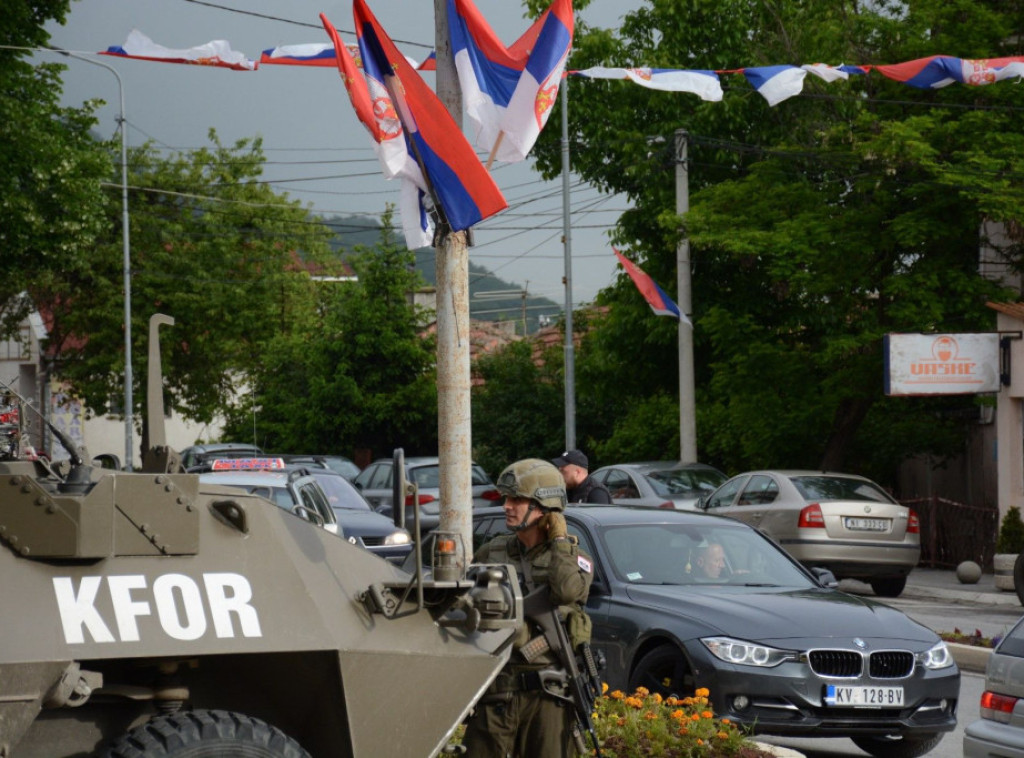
x=684, y=481
x=824, y=488
x=679, y=554
x=340, y=492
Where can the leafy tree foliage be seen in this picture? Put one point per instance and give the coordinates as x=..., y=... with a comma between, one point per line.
x=816, y=226
x=212, y=247
x=360, y=378
x=52, y=203
x=518, y=408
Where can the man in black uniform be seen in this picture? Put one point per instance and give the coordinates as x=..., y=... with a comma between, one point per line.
x=517, y=717
x=580, y=486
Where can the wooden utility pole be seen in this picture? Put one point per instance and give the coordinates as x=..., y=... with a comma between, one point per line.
x=454, y=430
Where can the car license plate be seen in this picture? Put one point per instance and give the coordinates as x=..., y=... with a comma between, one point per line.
x=866, y=524
x=864, y=697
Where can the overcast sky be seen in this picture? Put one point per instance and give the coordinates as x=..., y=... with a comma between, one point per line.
x=316, y=149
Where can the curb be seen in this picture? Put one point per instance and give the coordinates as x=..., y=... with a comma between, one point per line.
x=779, y=750
x=970, y=657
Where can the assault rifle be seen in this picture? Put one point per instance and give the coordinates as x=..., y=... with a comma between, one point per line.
x=580, y=677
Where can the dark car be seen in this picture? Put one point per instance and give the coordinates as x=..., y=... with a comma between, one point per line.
x=361, y=524
x=1000, y=730
x=344, y=466
x=779, y=651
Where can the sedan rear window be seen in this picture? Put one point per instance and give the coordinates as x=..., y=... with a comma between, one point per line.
x=825, y=488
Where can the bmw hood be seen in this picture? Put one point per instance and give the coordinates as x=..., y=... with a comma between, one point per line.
x=775, y=615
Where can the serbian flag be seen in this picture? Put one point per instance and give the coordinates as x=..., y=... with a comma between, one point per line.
x=216, y=53
x=942, y=70
x=377, y=113
x=509, y=91
x=660, y=302
x=458, y=182
x=704, y=84
x=322, y=54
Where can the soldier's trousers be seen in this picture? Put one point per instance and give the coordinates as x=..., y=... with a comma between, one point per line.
x=520, y=724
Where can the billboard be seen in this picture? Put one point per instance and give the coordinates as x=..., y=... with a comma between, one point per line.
x=941, y=364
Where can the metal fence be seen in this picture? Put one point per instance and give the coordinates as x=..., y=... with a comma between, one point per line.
x=953, y=532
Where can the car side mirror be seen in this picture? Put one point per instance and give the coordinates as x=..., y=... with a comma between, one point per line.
x=702, y=503
x=825, y=577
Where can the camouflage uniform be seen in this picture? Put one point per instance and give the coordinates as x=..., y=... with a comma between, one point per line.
x=515, y=718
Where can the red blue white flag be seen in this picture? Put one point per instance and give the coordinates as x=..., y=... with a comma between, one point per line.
x=374, y=108
x=942, y=70
x=217, y=53
x=705, y=84
x=460, y=185
x=508, y=92
x=322, y=54
x=656, y=297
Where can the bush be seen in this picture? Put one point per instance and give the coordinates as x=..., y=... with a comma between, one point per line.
x=1011, y=533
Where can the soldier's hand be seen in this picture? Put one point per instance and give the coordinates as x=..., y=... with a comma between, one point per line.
x=554, y=524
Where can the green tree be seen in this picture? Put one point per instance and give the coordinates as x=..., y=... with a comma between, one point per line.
x=362, y=378
x=816, y=226
x=213, y=247
x=52, y=203
x=518, y=406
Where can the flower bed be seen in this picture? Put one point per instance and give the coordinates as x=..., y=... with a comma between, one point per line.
x=643, y=724
x=974, y=640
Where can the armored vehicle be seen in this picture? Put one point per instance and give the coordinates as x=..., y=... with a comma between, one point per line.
x=147, y=614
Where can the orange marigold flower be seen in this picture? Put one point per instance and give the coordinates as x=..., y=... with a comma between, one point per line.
x=604, y=688
x=618, y=695
x=700, y=741
x=683, y=731
x=726, y=721
x=635, y=702
x=722, y=736
x=673, y=701
x=651, y=716
x=707, y=714
x=621, y=722
x=642, y=691
x=702, y=692
x=657, y=697
x=679, y=715
x=695, y=717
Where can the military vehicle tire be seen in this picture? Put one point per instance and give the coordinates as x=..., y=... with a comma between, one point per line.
x=204, y=734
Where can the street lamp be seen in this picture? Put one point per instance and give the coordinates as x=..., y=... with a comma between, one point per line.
x=126, y=262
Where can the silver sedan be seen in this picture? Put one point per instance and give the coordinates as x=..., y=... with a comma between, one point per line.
x=659, y=484
x=843, y=522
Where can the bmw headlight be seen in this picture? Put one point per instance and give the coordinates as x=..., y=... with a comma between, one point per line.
x=746, y=653
x=397, y=538
x=936, y=657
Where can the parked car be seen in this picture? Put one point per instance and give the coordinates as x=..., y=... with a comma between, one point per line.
x=361, y=524
x=1000, y=730
x=779, y=649
x=195, y=455
x=295, y=490
x=660, y=484
x=375, y=482
x=842, y=522
x=344, y=466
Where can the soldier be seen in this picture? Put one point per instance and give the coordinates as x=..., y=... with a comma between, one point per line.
x=516, y=717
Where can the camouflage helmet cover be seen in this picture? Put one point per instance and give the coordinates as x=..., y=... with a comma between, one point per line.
x=534, y=479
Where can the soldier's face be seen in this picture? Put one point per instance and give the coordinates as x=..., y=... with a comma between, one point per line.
x=516, y=509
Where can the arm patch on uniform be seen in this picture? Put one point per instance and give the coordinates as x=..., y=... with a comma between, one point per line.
x=584, y=564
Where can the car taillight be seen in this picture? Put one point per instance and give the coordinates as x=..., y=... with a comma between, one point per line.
x=492, y=495
x=997, y=707
x=913, y=523
x=423, y=500
x=811, y=517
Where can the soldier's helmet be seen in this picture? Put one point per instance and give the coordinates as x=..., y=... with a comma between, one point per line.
x=535, y=479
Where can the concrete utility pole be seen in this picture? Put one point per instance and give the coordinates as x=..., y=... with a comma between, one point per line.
x=454, y=430
x=687, y=403
x=570, y=347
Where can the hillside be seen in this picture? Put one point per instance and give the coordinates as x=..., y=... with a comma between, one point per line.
x=358, y=230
